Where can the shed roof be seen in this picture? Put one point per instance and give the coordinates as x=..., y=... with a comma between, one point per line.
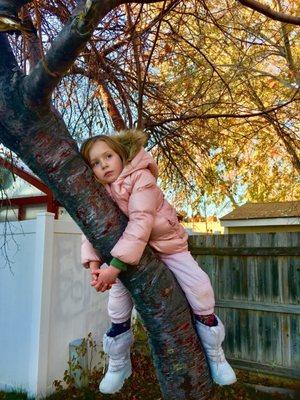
x=25, y=182
x=25, y=191
x=276, y=209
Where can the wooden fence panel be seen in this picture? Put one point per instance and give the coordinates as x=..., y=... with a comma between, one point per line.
x=256, y=278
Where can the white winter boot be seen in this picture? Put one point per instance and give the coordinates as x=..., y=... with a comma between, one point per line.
x=211, y=339
x=119, y=366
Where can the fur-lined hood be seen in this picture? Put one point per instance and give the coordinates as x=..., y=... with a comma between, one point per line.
x=138, y=158
x=132, y=141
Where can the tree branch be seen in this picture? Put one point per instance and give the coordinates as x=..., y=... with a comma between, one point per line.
x=137, y=61
x=215, y=116
x=268, y=12
x=95, y=75
x=140, y=33
x=43, y=79
x=288, y=51
x=33, y=45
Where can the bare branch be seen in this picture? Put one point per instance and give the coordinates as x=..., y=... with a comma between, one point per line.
x=111, y=107
x=140, y=120
x=225, y=115
x=137, y=62
x=153, y=22
x=288, y=51
x=268, y=12
x=33, y=45
x=43, y=79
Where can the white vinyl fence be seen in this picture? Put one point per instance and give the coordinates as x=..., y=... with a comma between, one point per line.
x=46, y=302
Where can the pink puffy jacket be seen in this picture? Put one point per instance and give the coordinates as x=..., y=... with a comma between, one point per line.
x=151, y=218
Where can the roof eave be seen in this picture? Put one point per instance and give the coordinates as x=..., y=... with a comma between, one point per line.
x=261, y=222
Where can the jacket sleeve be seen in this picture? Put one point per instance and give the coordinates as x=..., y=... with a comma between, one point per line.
x=88, y=253
x=142, y=206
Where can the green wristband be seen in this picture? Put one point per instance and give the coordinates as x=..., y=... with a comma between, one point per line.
x=118, y=264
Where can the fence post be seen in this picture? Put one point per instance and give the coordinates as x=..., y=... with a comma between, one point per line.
x=78, y=360
x=41, y=302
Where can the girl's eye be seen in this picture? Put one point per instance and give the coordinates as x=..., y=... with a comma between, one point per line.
x=108, y=156
x=95, y=163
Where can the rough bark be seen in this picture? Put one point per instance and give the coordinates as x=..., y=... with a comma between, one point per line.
x=34, y=130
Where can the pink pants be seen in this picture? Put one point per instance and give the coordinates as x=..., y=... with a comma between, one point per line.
x=193, y=280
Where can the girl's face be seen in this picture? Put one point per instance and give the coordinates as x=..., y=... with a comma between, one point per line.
x=105, y=162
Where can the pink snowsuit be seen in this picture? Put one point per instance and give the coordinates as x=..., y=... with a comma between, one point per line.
x=151, y=220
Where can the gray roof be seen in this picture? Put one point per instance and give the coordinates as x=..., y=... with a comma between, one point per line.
x=276, y=209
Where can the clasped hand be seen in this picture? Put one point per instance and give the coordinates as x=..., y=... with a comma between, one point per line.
x=104, y=278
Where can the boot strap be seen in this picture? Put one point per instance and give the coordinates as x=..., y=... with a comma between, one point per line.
x=216, y=355
x=116, y=364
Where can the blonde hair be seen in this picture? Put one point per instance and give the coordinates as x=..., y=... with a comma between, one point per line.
x=126, y=144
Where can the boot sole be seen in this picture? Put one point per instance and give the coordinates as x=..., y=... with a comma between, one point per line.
x=225, y=384
x=129, y=373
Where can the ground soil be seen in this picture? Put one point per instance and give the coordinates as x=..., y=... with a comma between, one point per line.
x=142, y=385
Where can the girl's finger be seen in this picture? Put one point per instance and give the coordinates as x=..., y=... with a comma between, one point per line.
x=98, y=285
x=104, y=288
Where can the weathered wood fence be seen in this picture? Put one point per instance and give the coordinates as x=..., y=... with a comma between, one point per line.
x=256, y=278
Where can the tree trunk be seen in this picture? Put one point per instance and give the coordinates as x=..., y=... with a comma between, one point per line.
x=35, y=131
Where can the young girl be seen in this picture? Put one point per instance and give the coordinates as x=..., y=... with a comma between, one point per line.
x=129, y=175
